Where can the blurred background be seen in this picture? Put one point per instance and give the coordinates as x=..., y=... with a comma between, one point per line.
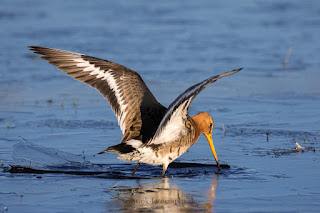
x=268, y=106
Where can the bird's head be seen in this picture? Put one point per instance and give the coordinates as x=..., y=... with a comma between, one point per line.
x=205, y=125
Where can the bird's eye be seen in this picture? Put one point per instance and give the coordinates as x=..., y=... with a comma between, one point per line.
x=210, y=125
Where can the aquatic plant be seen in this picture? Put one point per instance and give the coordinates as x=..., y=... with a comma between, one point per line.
x=224, y=130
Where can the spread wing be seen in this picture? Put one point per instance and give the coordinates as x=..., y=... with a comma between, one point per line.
x=174, y=120
x=137, y=110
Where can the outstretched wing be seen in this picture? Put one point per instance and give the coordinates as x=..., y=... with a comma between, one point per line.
x=173, y=122
x=128, y=95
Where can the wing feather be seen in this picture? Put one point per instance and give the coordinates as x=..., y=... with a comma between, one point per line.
x=172, y=125
x=124, y=89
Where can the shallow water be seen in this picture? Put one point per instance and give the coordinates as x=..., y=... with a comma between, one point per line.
x=265, y=108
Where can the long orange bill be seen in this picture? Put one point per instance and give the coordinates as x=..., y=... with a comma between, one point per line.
x=209, y=139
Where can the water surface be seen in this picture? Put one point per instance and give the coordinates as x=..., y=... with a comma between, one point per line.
x=265, y=108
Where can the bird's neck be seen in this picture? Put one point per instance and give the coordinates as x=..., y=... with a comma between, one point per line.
x=198, y=124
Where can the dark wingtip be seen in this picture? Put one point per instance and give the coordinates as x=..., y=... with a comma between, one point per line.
x=38, y=49
x=237, y=70
x=35, y=49
x=32, y=47
x=229, y=73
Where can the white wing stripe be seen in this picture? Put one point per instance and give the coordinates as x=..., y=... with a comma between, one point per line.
x=177, y=113
x=106, y=75
x=174, y=127
x=87, y=69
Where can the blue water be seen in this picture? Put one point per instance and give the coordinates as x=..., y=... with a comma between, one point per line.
x=265, y=108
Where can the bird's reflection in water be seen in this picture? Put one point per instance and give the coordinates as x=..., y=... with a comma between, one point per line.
x=211, y=194
x=162, y=197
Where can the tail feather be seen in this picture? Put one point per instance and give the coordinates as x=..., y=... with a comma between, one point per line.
x=119, y=149
x=106, y=150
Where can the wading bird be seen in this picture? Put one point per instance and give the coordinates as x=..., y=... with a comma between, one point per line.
x=152, y=133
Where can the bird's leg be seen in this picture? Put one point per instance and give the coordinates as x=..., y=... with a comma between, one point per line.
x=164, y=166
x=135, y=169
